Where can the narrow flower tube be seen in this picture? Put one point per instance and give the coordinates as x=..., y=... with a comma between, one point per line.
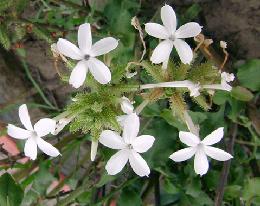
x=61, y=123
x=93, y=153
x=191, y=126
x=194, y=88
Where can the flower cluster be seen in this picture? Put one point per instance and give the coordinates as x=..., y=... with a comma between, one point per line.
x=130, y=145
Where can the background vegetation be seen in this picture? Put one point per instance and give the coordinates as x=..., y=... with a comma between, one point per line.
x=29, y=75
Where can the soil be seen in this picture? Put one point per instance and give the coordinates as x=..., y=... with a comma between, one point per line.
x=237, y=22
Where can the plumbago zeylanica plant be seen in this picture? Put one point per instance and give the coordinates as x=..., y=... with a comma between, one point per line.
x=98, y=111
x=105, y=106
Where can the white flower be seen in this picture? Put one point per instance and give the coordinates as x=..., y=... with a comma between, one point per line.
x=129, y=147
x=127, y=108
x=225, y=78
x=129, y=75
x=201, y=149
x=171, y=37
x=33, y=134
x=86, y=54
x=223, y=44
x=126, y=105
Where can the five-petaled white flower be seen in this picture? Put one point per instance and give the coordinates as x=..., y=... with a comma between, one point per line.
x=33, y=134
x=129, y=147
x=86, y=54
x=201, y=149
x=171, y=37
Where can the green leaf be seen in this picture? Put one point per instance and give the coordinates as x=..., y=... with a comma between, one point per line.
x=249, y=74
x=192, y=12
x=129, y=197
x=232, y=191
x=252, y=191
x=21, y=5
x=198, y=117
x=166, y=137
x=4, y=37
x=242, y=94
x=11, y=194
x=173, y=120
x=169, y=187
x=105, y=178
x=43, y=178
x=5, y=4
x=220, y=97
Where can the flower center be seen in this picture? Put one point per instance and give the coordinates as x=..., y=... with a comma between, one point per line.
x=34, y=134
x=172, y=37
x=200, y=146
x=129, y=146
x=86, y=57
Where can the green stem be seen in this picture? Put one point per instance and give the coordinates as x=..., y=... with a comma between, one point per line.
x=73, y=195
x=72, y=5
x=140, y=108
x=37, y=87
x=111, y=194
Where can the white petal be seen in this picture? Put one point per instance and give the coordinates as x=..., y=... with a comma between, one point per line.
x=214, y=137
x=188, y=138
x=168, y=17
x=188, y=30
x=156, y=30
x=68, y=49
x=111, y=139
x=131, y=128
x=121, y=120
x=162, y=52
x=99, y=70
x=183, y=50
x=116, y=163
x=217, y=154
x=25, y=117
x=44, y=126
x=47, y=148
x=143, y=143
x=126, y=105
x=227, y=77
x=30, y=148
x=61, y=124
x=104, y=46
x=201, y=164
x=138, y=164
x=78, y=74
x=93, y=152
x=17, y=132
x=183, y=154
x=85, y=38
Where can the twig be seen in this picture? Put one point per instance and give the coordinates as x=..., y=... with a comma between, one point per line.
x=135, y=22
x=37, y=87
x=225, y=170
x=10, y=160
x=84, y=9
x=157, y=189
x=128, y=182
x=60, y=194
